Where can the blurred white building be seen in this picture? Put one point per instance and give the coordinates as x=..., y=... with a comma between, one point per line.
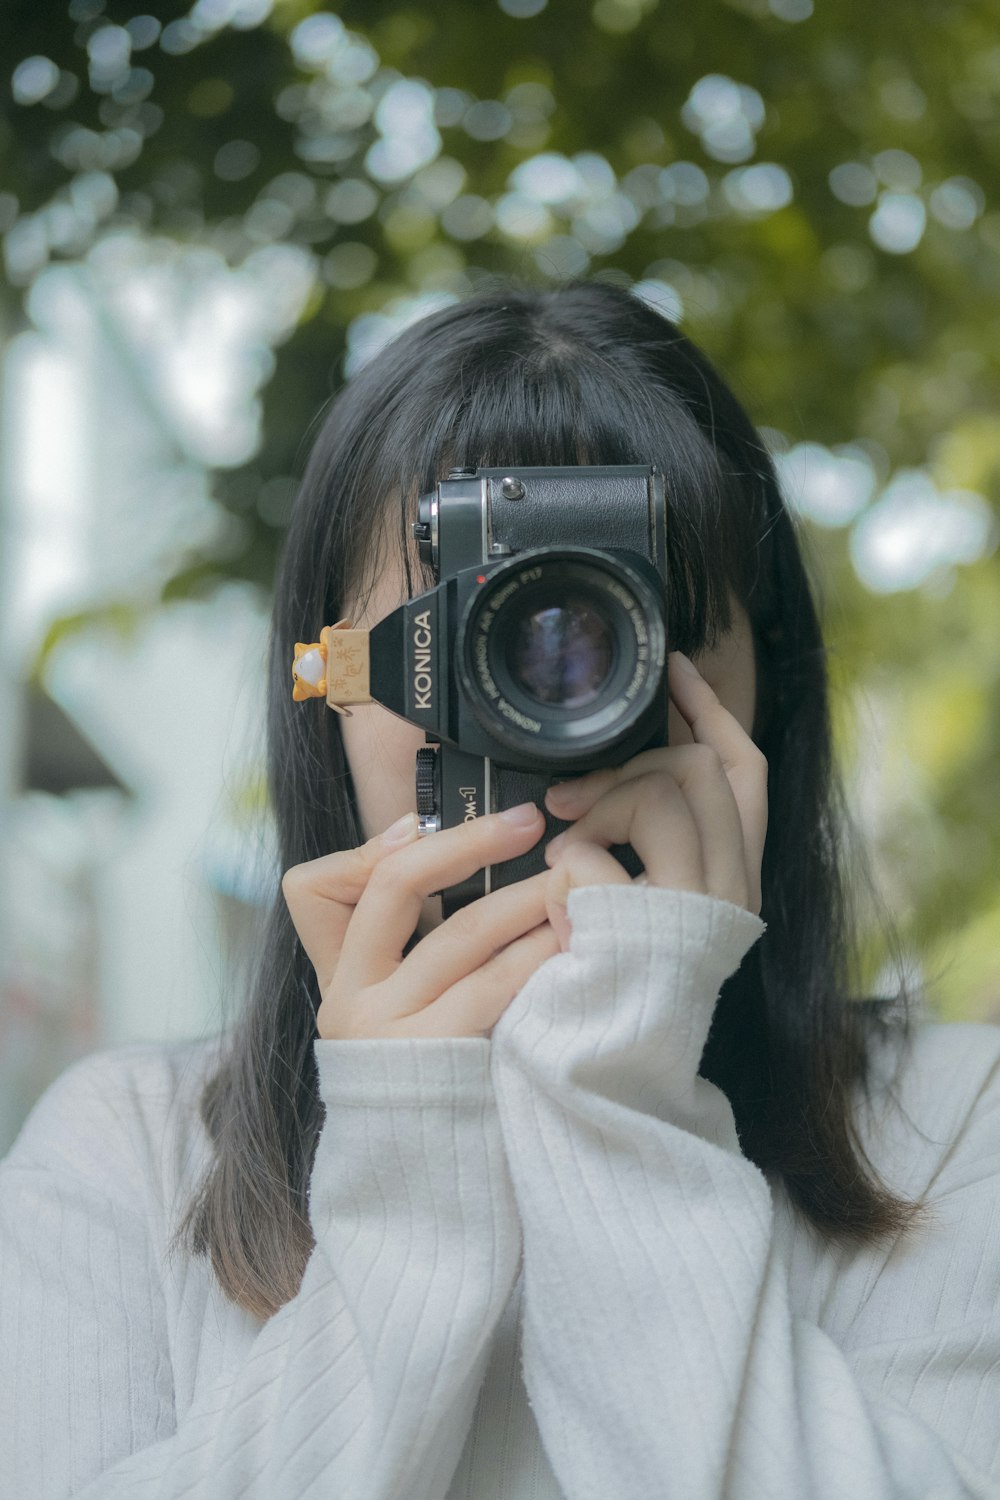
x=129, y=868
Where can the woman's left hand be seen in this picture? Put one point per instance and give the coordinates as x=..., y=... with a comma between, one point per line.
x=695, y=814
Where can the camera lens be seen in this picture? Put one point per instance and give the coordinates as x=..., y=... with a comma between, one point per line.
x=562, y=653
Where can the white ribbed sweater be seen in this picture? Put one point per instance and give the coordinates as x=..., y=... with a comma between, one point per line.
x=672, y=1328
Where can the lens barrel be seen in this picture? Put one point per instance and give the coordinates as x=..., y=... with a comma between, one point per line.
x=561, y=652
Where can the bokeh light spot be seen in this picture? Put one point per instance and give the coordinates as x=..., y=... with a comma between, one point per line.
x=898, y=223
x=34, y=79
x=853, y=183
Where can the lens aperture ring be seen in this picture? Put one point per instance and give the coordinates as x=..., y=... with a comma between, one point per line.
x=561, y=651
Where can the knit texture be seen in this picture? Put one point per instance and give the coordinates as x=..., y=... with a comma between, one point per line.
x=543, y=1267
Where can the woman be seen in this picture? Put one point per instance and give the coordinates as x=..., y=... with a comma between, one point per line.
x=597, y=1188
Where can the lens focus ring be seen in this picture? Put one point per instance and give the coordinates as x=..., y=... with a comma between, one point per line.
x=562, y=653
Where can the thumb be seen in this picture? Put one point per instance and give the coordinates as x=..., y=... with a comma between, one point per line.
x=578, y=865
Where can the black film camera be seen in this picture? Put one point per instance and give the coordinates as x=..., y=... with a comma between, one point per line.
x=539, y=654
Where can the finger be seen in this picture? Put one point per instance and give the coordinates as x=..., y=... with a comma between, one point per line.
x=321, y=894
x=698, y=772
x=581, y=864
x=458, y=947
x=650, y=812
x=480, y=999
x=389, y=907
x=571, y=799
x=744, y=764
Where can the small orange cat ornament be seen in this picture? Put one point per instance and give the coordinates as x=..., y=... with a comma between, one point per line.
x=346, y=681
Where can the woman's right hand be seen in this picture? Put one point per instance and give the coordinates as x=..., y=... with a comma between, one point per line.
x=355, y=911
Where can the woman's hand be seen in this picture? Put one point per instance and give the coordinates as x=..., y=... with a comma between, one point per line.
x=355, y=911
x=695, y=814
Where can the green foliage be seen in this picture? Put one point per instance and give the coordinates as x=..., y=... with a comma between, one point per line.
x=236, y=126
x=124, y=619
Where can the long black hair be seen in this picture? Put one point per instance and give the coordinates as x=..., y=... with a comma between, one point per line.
x=584, y=373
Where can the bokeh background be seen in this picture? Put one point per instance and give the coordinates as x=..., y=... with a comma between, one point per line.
x=213, y=215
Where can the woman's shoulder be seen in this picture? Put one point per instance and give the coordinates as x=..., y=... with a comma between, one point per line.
x=934, y=1102
x=127, y=1116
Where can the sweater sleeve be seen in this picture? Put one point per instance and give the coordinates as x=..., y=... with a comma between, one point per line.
x=363, y=1385
x=661, y=1353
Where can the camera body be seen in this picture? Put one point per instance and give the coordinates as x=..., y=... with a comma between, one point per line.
x=541, y=651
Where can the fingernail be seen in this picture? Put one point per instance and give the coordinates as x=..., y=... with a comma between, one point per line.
x=552, y=847
x=563, y=793
x=521, y=815
x=686, y=666
x=400, y=831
